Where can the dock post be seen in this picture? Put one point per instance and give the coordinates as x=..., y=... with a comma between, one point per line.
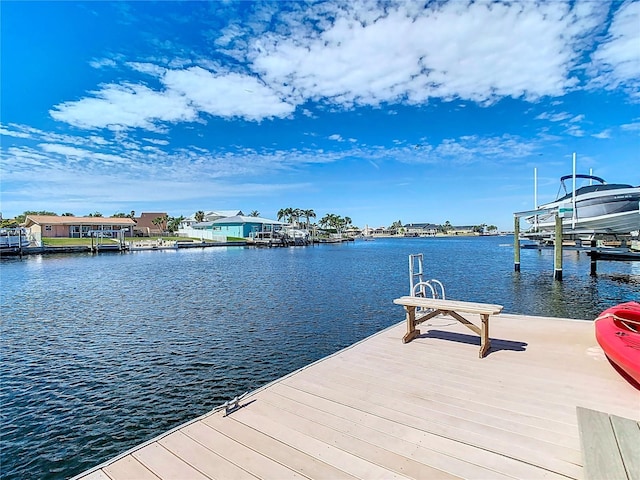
x=594, y=258
x=516, y=243
x=557, y=247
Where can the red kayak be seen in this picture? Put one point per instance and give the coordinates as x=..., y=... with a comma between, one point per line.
x=618, y=333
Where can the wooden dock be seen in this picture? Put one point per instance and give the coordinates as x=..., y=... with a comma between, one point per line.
x=427, y=409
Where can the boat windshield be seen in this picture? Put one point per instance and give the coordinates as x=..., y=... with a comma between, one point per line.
x=594, y=188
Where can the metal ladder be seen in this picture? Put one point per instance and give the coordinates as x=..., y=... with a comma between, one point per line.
x=417, y=285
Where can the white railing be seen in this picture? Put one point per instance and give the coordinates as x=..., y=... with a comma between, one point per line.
x=201, y=234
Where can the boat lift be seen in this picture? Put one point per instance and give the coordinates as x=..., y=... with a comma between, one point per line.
x=418, y=286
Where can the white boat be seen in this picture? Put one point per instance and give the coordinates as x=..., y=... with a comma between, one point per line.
x=13, y=239
x=600, y=207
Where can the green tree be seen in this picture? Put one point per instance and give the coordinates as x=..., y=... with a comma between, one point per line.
x=333, y=222
x=9, y=223
x=254, y=213
x=120, y=215
x=173, y=223
x=160, y=222
x=199, y=216
x=308, y=214
x=396, y=226
x=286, y=214
x=95, y=214
x=67, y=214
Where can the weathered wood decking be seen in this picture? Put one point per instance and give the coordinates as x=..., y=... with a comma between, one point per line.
x=427, y=409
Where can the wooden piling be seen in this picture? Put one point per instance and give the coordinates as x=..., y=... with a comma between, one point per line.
x=516, y=243
x=557, y=247
x=594, y=260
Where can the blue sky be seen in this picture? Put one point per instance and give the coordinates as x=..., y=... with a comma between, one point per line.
x=377, y=111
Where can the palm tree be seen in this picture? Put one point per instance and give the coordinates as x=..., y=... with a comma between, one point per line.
x=254, y=213
x=296, y=213
x=174, y=223
x=199, y=216
x=284, y=213
x=308, y=214
x=160, y=222
x=325, y=221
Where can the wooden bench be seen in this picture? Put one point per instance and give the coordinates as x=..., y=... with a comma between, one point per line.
x=452, y=308
x=610, y=445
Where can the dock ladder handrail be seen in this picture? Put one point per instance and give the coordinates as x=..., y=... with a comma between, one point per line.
x=418, y=286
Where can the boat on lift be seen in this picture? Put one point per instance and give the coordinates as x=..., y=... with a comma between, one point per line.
x=13, y=239
x=599, y=207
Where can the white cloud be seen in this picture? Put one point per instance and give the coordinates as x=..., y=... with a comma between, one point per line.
x=102, y=63
x=336, y=137
x=226, y=95
x=156, y=141
x=617, y=60
x=574, y=131
x=13, y=133
x=554, y=117
x=351, y=54
x=188, y=93
x=125, y=106
x=479, y=51
x=603, y=134
x=631, y=127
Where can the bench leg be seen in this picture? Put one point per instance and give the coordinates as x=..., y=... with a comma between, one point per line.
x=411, y=325
x=485, y=341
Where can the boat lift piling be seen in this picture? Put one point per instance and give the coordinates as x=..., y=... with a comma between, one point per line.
x=557, y=243
x=516, y=243
x=557, y=249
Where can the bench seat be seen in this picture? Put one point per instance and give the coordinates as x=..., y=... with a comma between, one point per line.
x=453, y=308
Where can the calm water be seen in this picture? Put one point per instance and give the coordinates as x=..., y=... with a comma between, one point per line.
x=100, y=353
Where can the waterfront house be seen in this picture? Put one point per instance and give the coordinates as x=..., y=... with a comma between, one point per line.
x=381, y=231
x=420, y=229
x=239, y=226
x=145, y=226
x=75, y=227
x=209, y=216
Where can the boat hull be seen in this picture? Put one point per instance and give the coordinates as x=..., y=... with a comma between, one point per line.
x=618, y=333
x=609, y=211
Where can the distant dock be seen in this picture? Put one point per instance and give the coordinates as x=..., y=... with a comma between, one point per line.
x=117, y=248
x=427, y=409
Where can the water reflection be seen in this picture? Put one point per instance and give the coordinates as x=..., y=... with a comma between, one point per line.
x=103, y=352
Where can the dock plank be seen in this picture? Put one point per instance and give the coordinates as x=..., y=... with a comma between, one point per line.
x=601, y=455
x=484, y=413
x=128, y=467
x=97, y=475
x=555, y=459
x=165, y=464
x=441, y=454
x=208, y=462
x=346, y=461
x=628, y=436
x=274, y=449
x=427, y=409
x=370, y=449
x=251, y=460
